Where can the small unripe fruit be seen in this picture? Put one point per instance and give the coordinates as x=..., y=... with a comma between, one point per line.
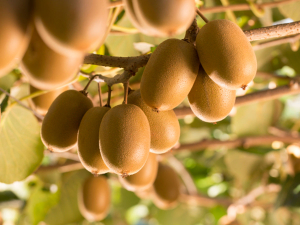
x=43, y=102
x=164, y=126
x=166, y=187
x=226, y=54
x=72, y=27
x=169, y=74
x=61, y=123
x=88, y=140
x=209, y=101
x=15, y=34
x=144, y=178
x=125, y=139
x=47, y=69
x=94, y=198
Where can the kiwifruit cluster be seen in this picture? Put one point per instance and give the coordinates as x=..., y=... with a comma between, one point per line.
x=51, y=43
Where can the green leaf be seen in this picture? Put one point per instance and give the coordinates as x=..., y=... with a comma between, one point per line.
x=4, y=103
x=21, y=149
x=67, y=211
x=290, y=10
x=253, y=119
x=7, y=81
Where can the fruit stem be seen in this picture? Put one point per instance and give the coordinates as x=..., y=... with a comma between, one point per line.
x=201, y=15
x=100, y=96
x=109, y=96
x=126, y=85
x=90, y=81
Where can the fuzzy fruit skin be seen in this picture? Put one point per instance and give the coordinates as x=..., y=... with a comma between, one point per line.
x=15, y=30
x=94, y=198
x=209, y=101
x=164, y=126
x=47, y=69
x=166, y=187
x=43, y=102
x=72, y=27
x=226, y=54
x=169, y=74
x=165, y=17
x=88, y=140
x=61, y=123
x=125, y=139
x=143, y=179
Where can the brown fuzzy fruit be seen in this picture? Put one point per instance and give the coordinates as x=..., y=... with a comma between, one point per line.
x=61, y=123
x=72, y=27
x=94, y=198
x=164, y=126
x=209, y=101
x=125, y=139
x=143, y=179
x=15, y=32
x=47, y=69
x=43, y=102
x=166, y=187
x=226, y=54
x=169, y=74
x=88, y=140
x=165, y=17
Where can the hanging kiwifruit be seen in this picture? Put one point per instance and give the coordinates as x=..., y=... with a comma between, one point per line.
x=169, y=74
x=43, y=102
x=94, y=198
x=164, y=126
x=226, y=54
x=125, y=139
x=61, y=123
x=15, y=27
x=164, y=17
x=47, y=69
x=144, y=178
x=209, y=101
x=88, y=140
x=72, y=27
x=166, y=187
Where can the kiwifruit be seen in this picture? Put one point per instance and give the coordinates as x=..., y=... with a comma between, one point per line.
x=47, y=69
x=144, y=178
x=145, y=193
x=43, y=102
x=209, y=101
x=125, y=139
x=88, y=140
x=169, y=74
x=16, y=30
x=61, y=123
x=165, y=17
x=94, y=198
x=164, y=126
x=166, y=187
x=72, y=27
x=226, y=54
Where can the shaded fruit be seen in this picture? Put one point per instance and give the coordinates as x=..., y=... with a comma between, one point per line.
x=15, y=16
x=47, y=69
x=226, y=54
x=61, y=123
x=165, y=17
x=125, y=139
x=72, y=27
x=43, y=102
x=145, y=193
x=209, y=101
x=166, y=187
x=143, y=179
x=169, y=74
x=94, y=198
x=88, y=140
x=164, y=126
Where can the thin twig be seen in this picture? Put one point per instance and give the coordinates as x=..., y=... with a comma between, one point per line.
x=204, y=201
x=280, y=41
x=201, y=15
x=22, y=104
x=116, y=4
x=100, y=95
